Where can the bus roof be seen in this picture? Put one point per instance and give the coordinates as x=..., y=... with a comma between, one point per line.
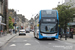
x=49, y=10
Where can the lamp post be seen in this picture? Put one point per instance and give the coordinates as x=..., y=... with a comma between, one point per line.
x=16, y=19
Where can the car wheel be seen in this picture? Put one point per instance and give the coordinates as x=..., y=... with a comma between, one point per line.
x=24, y=34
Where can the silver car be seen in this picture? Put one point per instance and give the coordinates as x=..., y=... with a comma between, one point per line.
x=22, y=32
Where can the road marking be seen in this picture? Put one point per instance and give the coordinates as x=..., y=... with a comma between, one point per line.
x=25, y=40
x=68, y=47
x=65, y=47
x=67, y=43
x=27, y=44
x=12, y=45
x=59, y=46
x=9, y=41
x=49, y=43
x=37, y=41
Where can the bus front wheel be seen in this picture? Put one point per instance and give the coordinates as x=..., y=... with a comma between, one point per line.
x=37, y=36
x=34, y=35
x=53, y=38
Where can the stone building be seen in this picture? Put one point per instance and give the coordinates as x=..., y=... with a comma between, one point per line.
x=31, y=21
x=1, y=14
x=70, y=2
x=19, y=23
x=21, y=20
x=4, y=14
x=26, y=23
x=12, y=13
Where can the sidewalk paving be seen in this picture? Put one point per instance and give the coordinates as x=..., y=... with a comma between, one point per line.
x=69, y=39
x=5, y=39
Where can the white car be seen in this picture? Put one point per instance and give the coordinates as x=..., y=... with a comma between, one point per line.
x=22, y=32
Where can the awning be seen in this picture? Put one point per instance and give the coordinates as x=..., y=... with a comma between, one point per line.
x=72, y=23
x=2, y=23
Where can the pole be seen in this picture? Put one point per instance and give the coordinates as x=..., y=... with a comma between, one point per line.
x=65, y=31
x=15, y=29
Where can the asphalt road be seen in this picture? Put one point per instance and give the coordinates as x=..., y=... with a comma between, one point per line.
x=28, y=42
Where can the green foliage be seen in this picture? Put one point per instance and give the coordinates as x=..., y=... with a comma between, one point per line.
x=10, y=23
x=65, y=15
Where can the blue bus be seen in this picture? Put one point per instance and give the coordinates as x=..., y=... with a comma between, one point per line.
x=46, y=24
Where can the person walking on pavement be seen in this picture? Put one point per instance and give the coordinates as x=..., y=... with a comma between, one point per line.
x=71, y=33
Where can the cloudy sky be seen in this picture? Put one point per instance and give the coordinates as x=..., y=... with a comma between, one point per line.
x=31, y=7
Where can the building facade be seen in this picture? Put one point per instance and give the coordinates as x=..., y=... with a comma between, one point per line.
x=1, y=13
x=31, y=21
x=70, y=2
x=21, y=21
x=5, y=13
x=27, y=24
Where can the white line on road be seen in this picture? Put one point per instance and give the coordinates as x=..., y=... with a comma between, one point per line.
x=25, y=40
x=12, y=45
x=65, y=47
x=27, y=44
x=37, y=41
x=68, y=43
x=49, y=43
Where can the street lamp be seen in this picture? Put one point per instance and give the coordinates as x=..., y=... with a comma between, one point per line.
x=16, y=19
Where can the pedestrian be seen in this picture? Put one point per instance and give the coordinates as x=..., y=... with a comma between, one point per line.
x=4, y=32
x=71, y=33
x=1, y=32
x=10, y=30
x=13, y=31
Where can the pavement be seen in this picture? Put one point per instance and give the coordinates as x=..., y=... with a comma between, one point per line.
x=5, y=39
x=69, y=39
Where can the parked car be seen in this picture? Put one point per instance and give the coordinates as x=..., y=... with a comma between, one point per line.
x=22, y=32
x=30, y=29
x=27, y=31
x=33, y=30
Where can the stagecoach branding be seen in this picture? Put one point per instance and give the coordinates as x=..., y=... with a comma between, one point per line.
x=48, y=20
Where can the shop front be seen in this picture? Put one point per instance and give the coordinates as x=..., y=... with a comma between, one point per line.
x=72, y=27
x=2, y=25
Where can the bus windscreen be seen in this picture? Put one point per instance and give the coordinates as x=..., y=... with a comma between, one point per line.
x=50, y=28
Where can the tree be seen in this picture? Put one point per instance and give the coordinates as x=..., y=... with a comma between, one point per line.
x=10, y=23
x=65, y=15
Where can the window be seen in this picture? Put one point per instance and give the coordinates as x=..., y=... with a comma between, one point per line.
x=48, y=13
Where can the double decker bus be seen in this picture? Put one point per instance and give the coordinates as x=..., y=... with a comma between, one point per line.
x=46, y=24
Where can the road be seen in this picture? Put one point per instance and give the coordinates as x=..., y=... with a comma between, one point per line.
x=28, y=42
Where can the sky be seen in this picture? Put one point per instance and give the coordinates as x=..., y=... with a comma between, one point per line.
x=29, y=8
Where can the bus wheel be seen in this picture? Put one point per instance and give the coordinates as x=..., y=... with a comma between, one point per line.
x=37, y=36
x=53, y=38
x=34, y=35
